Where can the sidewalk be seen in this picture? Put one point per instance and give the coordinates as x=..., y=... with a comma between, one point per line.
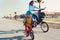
x=54, y=24
x=9, y=34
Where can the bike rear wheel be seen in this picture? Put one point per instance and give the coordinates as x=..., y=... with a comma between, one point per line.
x=44, y=27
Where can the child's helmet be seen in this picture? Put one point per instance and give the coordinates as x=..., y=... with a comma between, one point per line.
x=28, y=12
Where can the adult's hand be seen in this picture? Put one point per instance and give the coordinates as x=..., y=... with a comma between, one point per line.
x=43, y=8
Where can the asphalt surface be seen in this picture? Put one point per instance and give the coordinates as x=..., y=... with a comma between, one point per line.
x=14, y=30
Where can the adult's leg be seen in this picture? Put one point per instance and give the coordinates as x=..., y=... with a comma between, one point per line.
x=35, y=16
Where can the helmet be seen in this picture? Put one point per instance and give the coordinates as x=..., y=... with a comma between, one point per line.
x=28, y=12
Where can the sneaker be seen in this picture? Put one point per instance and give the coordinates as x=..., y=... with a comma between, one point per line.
x=27, y=34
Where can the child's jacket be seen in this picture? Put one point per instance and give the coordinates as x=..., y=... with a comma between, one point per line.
x=28, y=22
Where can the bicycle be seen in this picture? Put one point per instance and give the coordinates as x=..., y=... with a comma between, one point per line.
x=41, y=15
x=30, y=32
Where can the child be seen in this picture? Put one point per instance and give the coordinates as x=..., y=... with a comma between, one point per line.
x=28, y=22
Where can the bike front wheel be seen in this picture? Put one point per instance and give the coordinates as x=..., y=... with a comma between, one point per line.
x=44, y=27
x=32, y=35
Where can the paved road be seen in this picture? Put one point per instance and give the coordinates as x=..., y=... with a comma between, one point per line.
x=8, y=29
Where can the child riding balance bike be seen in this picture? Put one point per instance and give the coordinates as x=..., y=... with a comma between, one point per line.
x=28, y=22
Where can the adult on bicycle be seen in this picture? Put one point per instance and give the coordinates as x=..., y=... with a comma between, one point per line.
x=32, y=8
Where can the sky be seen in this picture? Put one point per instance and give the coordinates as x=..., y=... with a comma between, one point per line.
x=21, y=6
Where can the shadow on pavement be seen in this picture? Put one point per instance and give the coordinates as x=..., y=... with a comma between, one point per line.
x=16, y=31
x=13, y=38
x=11, y=31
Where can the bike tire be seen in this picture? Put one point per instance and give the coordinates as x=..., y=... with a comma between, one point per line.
x=46, y=26
x=32, y=35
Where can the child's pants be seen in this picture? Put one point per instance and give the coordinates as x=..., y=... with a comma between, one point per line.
x=28, y=29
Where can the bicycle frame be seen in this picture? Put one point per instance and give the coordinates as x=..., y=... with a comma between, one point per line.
x=40, y=15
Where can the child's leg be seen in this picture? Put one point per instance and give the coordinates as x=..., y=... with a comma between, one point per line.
x=30, y=29
x=25, y=29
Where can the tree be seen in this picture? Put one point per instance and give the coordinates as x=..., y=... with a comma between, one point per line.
x=39, y=2
x=15, y=15
x=10, y=16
